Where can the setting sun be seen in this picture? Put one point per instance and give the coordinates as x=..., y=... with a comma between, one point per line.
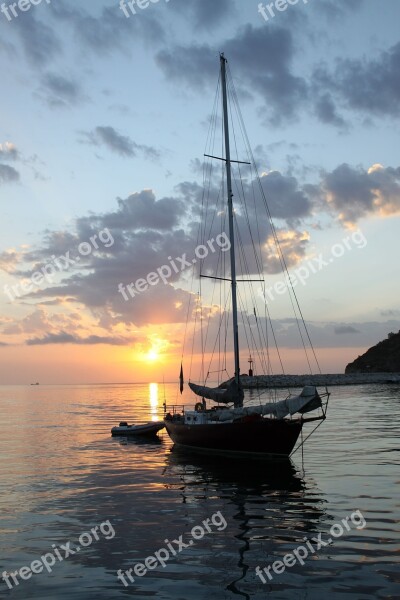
x=155, y=350
x=152, y=355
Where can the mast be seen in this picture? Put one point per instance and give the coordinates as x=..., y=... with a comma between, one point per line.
x=231, y=223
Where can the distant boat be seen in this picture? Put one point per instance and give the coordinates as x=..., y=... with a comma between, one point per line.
x=147, y=429
x=266, y=429
x=37, y=383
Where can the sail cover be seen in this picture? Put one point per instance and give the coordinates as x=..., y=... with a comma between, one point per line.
x=307, y=401
x=232, y=394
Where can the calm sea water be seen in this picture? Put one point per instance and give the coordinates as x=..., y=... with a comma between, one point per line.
x=62, y=474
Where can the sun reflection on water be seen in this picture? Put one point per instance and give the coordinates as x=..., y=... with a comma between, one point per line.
x=153, y=395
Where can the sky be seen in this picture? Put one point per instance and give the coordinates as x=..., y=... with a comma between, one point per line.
x=104, y=118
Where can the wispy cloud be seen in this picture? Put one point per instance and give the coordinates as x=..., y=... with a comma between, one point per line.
x=67, y=338
x=120, y=144
x=60, y=92
x=345, y=329
x=8, y=174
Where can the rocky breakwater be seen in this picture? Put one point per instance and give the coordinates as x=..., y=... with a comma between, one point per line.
x=299, y=381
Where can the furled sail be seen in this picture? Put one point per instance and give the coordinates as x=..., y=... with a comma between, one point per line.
x=307, y=401
x=232, y=394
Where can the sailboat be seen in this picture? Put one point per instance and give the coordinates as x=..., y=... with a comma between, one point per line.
x=232, y=426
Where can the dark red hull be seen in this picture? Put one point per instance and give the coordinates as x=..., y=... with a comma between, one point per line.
x=263, y=437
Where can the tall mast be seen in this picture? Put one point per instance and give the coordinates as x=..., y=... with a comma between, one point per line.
x=231, y=224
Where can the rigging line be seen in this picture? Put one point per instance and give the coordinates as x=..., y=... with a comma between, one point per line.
x=193, y=338
x=186, y=325
x=243, y=196
x=204, y=209
x=191, y=301
x=280, y=253
x=285, y=269
x=251, y=155
x=210, y=315
x=275, y=341
x=222, y=294
x=199, y=234
x=281, y=257
x=252, y=347
x=244, y=266
x=217, y=338
x=208, y=165
x=243, y=257
x=266, y=329
x=219, y=200
x=304, y=441
x=252, y=166
x=262, y=337
x=212, y=300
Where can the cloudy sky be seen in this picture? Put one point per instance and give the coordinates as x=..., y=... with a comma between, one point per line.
x=104, y=124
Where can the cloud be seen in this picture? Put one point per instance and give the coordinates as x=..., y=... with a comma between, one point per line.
x=8, y=151
x=327, y=113
x=60, y=91
x=146, y=232
x=67, y=338
x=205, y=14
x=333, y=334
x=262, y=59
x=38, y=40
x=110, y=30
x=293, y=244
x=390, y=313
x=8, y=174
x=118, y=143
x=372, y=85
x=345, y=329
x=8, y=260
x=142, y=210
x=353, y=192
x=285, y=198
x=368, y=86
x=41, y=321
x=150, y=231
x=336, y=8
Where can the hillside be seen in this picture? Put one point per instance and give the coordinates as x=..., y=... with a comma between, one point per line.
x=382, y=358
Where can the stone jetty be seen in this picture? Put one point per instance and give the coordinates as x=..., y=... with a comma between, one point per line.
x=289, y=381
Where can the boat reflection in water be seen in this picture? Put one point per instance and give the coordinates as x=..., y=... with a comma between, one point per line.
x=269, y=508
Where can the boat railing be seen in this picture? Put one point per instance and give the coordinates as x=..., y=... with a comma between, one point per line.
x=174, y=409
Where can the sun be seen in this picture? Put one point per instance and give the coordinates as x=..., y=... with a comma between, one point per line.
x=152, y=355
x=155, y=350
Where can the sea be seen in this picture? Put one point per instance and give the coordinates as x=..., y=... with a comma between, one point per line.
x=88, y=516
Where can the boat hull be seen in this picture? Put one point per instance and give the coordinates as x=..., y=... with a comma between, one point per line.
x=147, y=429
x=262, y=437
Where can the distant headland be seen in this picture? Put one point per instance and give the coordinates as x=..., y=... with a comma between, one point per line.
x=382, y=358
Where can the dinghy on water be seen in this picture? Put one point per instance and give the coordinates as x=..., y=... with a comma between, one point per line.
x=147, y=429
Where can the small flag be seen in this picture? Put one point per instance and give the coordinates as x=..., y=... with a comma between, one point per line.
x=181, y=379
